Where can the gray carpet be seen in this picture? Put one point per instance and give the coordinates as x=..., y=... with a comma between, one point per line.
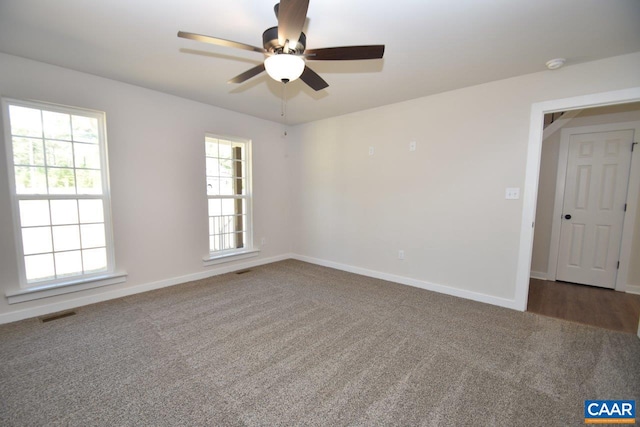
x=292, y=343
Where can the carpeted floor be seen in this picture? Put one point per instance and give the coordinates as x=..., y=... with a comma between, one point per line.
x=292, y=343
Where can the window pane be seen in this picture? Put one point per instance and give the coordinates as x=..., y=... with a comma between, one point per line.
x=212, y=167
x=228, y=206
x=94, y=259
x=226, y=168
x=87, y=155
x=28, y=151
x=66, y=238
x=39, y=267
x=213, y=186
x=61, y=181
x=92, y=235
x=68, y=263
x=89, y=181
x=91, y=211
x=85, y=129
x=25, y=121
x=226, y=187
x=64, y=212
x=239, y=186
x=56, y=125
x=36, y=240
x=214, y=243
x=224, y=150
x=30, y=180
x=59, y=153
x=211, y=147
x=215, y=207
x=34, y=212
x=239, y=240
x=239, y=166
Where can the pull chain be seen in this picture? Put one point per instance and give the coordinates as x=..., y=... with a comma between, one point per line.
x=283, y=110
x=283, y=107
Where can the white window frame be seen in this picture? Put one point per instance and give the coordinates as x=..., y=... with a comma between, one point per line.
x=43, y=288
x=221, y=256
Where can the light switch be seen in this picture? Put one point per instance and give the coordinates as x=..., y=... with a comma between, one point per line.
x=371, y=151
x=412, y=146
x=512, y=194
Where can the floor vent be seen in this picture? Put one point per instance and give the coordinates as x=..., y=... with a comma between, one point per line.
x=57, y=316
x=242, y=271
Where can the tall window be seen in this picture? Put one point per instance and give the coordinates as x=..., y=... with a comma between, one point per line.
x=228, y=191
x=59, y=182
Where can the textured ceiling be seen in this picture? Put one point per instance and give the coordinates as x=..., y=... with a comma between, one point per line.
x=431, y=46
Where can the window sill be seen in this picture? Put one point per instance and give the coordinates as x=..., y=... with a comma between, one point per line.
x=234, y=256
x=70, y=286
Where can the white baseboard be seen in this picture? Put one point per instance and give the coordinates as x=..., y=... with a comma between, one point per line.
x=42, y=310
x=538, y=275
x=502, y=302
x=633, y=289
x=27, y=313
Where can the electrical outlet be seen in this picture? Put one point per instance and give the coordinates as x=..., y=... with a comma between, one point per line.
x=400, y=254
x=512, y=193
x=371, y=151
x=412, y=146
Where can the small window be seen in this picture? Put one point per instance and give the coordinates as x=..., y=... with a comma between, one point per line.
x=229, y=195
x=59, y=188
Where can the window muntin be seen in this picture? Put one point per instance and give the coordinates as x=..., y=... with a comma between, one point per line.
x=59, y=183
x=228, y=192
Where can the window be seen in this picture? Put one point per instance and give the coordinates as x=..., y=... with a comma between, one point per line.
x=229, y=195
x=59, y=187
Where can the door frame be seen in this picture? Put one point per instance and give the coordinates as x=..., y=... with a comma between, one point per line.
x=532, y=173
x=633, y=188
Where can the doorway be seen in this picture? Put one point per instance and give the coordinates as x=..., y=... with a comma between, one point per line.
x=589, y=198
x=542, y=262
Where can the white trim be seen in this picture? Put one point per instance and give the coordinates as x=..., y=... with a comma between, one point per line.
x=540, y=275
x=62, y=288
x=633, y=289
x=105, y=196
x=213, y=259
x=559, y=124
x=122, y=292
x=443, y=289
x=532, y=173
x=558, y=204
x=633, y=188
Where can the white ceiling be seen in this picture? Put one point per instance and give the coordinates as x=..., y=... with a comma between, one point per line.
x=431, y=46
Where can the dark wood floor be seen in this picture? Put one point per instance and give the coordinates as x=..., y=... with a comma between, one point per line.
x=589, y=305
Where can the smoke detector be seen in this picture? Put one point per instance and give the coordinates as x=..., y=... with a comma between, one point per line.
x=554, y=64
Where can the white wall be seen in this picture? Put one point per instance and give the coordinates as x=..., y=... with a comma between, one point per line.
x=444, y=204
x=156, y=157
x=547, y=185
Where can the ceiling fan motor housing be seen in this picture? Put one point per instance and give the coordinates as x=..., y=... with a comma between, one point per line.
x=272, y=45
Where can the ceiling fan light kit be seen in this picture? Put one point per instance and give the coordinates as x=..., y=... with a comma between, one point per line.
x=284, y=67
x=285, y=47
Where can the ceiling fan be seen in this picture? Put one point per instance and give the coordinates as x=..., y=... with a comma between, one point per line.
x=285, y=48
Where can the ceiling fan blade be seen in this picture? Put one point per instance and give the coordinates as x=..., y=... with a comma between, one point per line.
x=219, y=42
x=312, y=79
x=291, y=17
x=240, y=78
x=345, y=53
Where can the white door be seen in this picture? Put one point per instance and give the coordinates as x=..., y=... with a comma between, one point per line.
x=593, y=210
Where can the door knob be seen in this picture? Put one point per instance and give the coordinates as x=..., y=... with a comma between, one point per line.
x=567, y=216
